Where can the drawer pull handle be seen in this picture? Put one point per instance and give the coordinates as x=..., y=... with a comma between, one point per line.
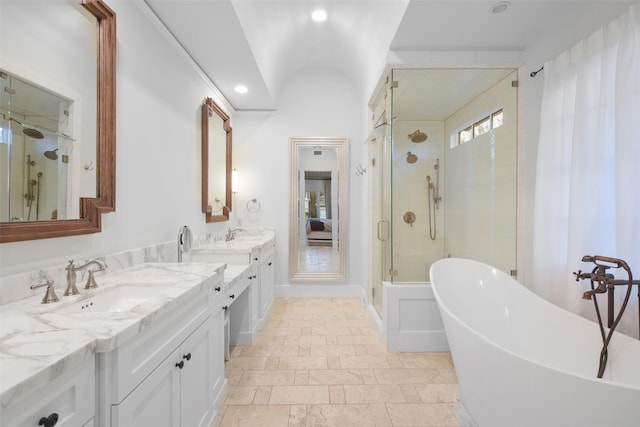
x=180, y=364
x=232, y=296
x=49, y=421
x=225, y=307
x=217, y=289
x=187, y=356
x=270, y=264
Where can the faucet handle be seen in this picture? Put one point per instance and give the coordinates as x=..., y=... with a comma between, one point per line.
x=91, y=280
x=50, y=295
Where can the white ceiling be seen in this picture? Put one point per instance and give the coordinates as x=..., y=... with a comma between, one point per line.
x=262, y=43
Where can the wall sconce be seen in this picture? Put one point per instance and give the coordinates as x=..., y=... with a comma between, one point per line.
x=234, y=181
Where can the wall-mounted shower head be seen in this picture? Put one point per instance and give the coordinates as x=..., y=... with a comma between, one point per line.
x=418, y=136
x=51, y=155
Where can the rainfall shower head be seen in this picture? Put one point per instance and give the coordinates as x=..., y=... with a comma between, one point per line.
x=33, y=133
x=32, y=130
x=51, y=155
x=418, y=136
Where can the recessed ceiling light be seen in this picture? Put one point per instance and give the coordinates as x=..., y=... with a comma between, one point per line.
x=500, y=7
x=241, y=89
x=319, y=15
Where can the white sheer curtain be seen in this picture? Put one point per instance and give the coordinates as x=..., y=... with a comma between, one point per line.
x=587, y=199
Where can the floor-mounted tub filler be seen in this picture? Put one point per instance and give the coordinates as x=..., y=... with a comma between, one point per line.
x=522, y=361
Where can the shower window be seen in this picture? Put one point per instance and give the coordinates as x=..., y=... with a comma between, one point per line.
x=482, y=126
x=497, y=119
x=465, y=135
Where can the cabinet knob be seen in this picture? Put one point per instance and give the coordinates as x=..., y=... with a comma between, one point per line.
x=270, y=264
x=232, y=296
x=255, y=259
x=180, y=364
x=217, y=289
x=225, y=308
x=49, y=421
x=187, y=356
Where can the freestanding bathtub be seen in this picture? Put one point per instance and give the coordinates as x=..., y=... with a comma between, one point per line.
x=522, y=361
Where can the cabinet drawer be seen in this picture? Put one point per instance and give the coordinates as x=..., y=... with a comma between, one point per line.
x=241, y=283
x=70, y=396
x=134, y=361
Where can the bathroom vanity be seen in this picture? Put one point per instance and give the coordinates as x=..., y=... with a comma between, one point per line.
x=147, y=347
x=249, y=280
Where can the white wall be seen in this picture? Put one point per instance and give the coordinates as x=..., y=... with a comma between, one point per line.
x=158, y=152
x=314, y=103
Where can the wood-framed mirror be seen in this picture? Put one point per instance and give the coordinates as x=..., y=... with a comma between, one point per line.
x=216, y=162
x=318, y=243
x=91, y=208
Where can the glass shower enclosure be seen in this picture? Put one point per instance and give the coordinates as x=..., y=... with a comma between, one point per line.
x=443, y=161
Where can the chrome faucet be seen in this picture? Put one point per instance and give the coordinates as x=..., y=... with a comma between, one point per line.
x=231, y=234
x=71, y=276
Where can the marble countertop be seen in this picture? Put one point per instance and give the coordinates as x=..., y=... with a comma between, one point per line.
x=245, y=240
x=38, y=343
x=233, y=272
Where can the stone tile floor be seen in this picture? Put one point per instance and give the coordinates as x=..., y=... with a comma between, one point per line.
x=320, y=362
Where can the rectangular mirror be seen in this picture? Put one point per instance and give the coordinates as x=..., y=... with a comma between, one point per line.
x=216, y=162
x=318, y=232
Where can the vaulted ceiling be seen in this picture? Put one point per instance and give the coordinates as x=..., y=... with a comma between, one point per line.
x=261, y=43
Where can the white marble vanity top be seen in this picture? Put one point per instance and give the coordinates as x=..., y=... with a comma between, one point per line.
x=244, y=240
x=39, y=343
x=233, y=272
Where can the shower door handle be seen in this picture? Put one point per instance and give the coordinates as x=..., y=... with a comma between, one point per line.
x=383, y=230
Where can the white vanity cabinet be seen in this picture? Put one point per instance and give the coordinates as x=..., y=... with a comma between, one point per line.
x=171, y=374
x=250, y=292
x=242, y=308
x=69, y=398
x=266, y=279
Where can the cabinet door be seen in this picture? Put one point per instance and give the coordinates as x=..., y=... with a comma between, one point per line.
x=266, y=285
x=70, y=398
x=156, y=401
x=198, y=380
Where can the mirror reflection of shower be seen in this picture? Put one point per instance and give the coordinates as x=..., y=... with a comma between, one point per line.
x=433, y=198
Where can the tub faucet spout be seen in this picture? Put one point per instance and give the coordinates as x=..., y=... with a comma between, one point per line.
x=606, y=283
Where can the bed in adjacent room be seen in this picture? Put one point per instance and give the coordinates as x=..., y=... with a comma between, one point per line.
x=319, y=231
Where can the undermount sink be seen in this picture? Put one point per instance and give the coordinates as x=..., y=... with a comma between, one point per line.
x=118, y=298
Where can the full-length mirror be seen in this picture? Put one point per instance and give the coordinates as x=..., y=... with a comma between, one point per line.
x=318, y=243
x=216, y=162
x=57, y=136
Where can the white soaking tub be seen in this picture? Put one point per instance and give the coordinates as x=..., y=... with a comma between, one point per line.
x=522, y=361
